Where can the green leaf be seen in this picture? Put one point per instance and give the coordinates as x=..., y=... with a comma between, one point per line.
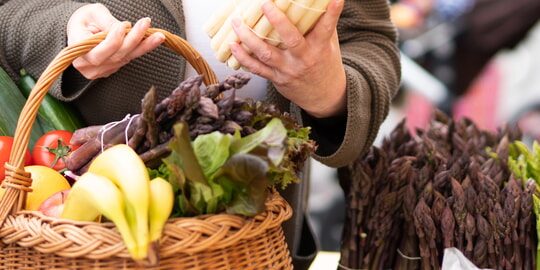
x=245, y=176
x=183, y=155
x=212, y=150
x=536, y=207
x=243, y=205
x=186, y=170
x=199, y=195
x=514, y=167
x=272, y=136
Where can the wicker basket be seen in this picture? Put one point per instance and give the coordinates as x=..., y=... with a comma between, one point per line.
x=221, y=241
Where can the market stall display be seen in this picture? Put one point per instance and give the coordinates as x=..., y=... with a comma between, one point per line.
x=450, y=186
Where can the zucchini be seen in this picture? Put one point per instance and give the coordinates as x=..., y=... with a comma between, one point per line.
x=11, y=104
x=59, y=115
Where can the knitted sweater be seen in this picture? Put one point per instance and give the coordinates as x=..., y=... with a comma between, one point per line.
x=32, y=32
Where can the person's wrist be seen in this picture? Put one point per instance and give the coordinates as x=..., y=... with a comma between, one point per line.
x=334, y=104
x=329, y=109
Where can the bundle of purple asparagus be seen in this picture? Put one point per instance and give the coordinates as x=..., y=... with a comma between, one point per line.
x=450, y=186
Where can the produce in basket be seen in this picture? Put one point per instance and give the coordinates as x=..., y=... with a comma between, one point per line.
x=11, y=104
x=219, y=152
x=118, y=187
x=302, y=13
x=52, y=115
x=218, y=241
x=6, y=143
x=151, y=132
x=56, y=114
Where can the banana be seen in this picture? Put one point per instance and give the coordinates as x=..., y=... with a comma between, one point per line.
x=93, y=195
x=121, y=164
x=161, y=205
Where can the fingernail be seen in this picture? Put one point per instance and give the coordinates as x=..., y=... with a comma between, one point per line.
x=123, y=25
x=145, y=21
x=233, y=46
x=267, y=6
x=160, y=36
x=236, y=22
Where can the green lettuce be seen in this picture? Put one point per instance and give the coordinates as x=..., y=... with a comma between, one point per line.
x=220, y=172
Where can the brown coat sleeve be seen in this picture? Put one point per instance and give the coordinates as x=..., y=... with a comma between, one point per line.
x=371, y=57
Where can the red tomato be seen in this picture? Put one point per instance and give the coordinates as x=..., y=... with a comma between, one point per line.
x=52, y=148
x=6, y=142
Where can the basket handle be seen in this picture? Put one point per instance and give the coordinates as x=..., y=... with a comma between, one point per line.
x=18, y=182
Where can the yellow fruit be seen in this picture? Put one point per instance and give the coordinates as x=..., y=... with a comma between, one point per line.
x=45, y=183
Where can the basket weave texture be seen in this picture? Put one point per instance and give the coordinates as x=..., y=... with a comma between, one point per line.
x=30, y=240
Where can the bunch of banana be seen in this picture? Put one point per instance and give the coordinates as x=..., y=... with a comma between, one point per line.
x=118, y=187
x=302, y=13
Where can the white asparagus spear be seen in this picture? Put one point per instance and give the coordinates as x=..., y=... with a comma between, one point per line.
x=262, y=28
x=317, y=9
x=295, y=12
x=226, y=28
x=216, y=21
x=250, y=17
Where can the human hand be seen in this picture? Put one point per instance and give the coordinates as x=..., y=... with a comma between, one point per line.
x=308, y=70
x=117, y=49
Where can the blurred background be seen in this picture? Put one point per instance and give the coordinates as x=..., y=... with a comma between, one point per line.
x=478, y=59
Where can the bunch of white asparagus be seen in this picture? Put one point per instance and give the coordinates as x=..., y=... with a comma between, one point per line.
x=302, y=13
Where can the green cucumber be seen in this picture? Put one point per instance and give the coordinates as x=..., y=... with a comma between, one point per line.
x=11, y=103
x=59, y=115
